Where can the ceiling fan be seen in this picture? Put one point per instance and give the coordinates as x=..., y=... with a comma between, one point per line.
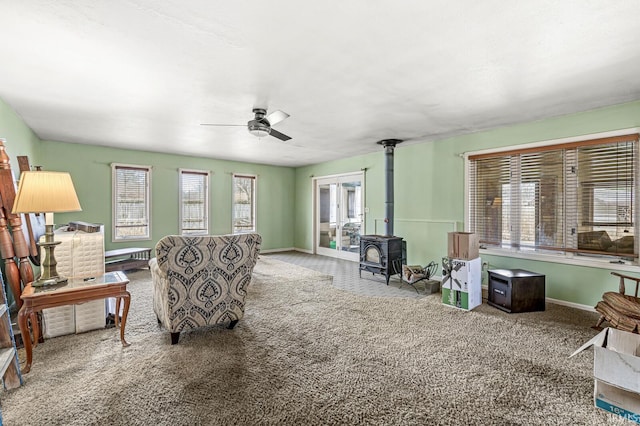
x=260, y=126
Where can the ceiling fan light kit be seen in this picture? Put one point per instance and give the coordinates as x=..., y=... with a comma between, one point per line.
x=260, y=126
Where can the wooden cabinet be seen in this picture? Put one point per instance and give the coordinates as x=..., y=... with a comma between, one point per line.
x=516, y=290
x=9, y=365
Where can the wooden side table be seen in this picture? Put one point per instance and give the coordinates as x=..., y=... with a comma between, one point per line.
x=76, y=290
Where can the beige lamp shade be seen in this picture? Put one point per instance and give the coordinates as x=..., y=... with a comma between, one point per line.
x=44, y=192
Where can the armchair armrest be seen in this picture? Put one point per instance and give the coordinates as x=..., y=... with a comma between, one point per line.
x=155, y=268
x=621, y=288
x=160, y=285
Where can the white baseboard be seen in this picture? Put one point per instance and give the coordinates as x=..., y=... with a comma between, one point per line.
x=571, y=304
x=278, y=250
x=301, y=250
x=588, y=308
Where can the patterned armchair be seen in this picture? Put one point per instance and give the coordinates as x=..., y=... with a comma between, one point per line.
x=202, y=281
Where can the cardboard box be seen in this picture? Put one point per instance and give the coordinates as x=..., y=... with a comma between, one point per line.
x=617, y=401
x=462, y=285
x=463, y=245
x=616, y=370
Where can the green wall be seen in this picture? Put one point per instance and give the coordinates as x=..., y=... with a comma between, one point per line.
x=429, y=194
x=90, y=168
x=20, y=139
x=429, y=197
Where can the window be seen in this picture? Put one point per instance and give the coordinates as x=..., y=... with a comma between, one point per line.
x=194, y=202
x=131, y=200
x=570, y=199
x=244, y=203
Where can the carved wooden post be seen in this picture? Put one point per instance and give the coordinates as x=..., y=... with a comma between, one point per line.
x=34, y=251
x=20, y=246
x=6, y=252
x=16, y=246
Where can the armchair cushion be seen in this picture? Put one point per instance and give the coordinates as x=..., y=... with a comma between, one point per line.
x=201, y=281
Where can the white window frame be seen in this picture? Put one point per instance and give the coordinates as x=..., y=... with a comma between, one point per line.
x=114, y=203
x=564, y=258
x=206, y=174
x=253, y=202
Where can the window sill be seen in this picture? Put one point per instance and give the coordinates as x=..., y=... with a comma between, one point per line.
x=127, y=240
x=591, y=262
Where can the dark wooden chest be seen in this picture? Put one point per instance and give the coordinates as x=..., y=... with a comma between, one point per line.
x=516, y=290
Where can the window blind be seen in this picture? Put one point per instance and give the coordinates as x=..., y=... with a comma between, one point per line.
x=488, y=217
x=131, y=202
x=576, y=198
x=541, y=200
x=194, y=202
x=605, y=201
x=244, y=203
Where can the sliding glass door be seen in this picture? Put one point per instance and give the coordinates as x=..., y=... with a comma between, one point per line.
x=339, y=215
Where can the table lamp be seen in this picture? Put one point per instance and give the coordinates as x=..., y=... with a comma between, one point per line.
x=46, y=192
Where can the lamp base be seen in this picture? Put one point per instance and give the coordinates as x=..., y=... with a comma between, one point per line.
x=41, y=282
x=48, y=272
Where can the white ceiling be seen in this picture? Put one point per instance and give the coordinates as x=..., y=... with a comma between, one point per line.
x=144, y=74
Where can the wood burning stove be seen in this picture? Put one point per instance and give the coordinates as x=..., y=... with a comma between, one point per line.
x=380, y=254
x=384, y=254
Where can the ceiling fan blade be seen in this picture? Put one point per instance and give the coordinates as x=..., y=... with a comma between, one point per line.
x=277, y=116
x=277, y=134
x=223, y=125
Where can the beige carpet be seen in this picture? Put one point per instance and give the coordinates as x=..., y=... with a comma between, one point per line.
x=306, y=353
